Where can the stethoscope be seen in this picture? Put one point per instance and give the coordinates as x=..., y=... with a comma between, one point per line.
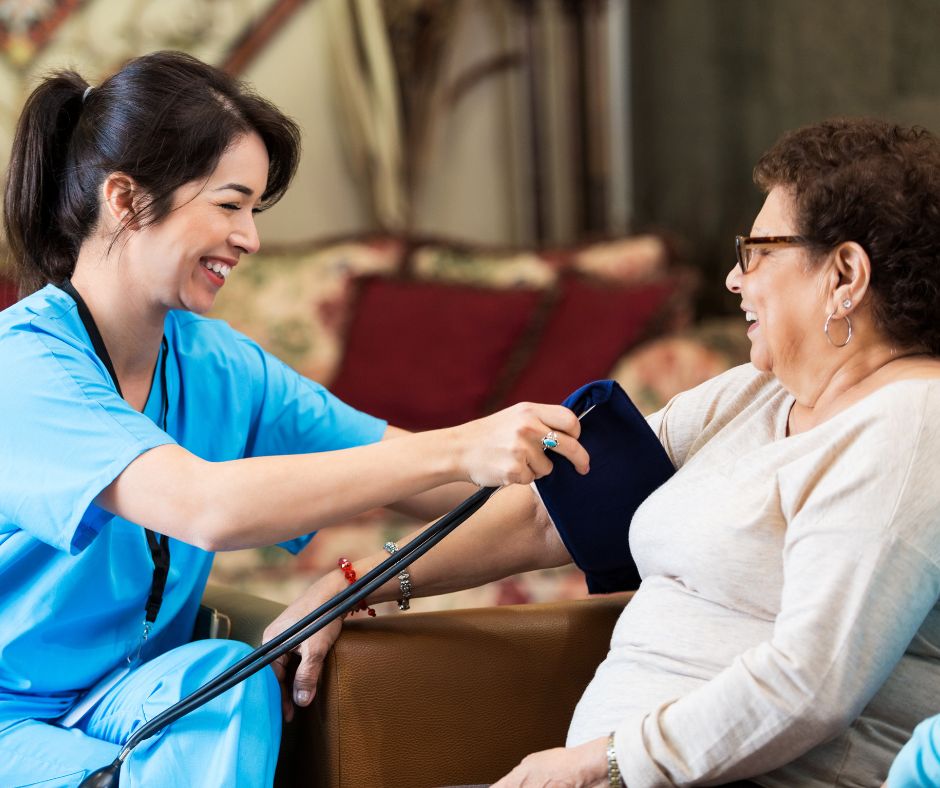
x=290, y=638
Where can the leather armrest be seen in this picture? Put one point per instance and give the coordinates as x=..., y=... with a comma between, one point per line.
x=448, y=698
x=249, y=614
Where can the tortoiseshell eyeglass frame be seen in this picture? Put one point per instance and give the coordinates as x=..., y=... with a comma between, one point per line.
x=744, y=243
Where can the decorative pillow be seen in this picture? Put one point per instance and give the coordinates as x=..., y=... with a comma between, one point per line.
x=461, y=265
x=426, y=355
x=295, y=303
x=625, y=260
x=8, y=292
x=587, y=330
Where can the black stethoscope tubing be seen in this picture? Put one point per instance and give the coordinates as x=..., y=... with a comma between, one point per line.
x=291, y=637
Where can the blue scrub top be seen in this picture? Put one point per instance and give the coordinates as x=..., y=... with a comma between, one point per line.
x=74, y=579
x=918, y=763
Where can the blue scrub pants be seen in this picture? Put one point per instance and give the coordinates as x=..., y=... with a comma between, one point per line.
x=231, y=741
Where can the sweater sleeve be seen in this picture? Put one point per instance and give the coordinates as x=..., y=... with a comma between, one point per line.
x=861, y=572
x=692, y=418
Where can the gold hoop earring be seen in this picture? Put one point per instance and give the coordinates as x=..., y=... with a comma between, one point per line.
x=848, y=323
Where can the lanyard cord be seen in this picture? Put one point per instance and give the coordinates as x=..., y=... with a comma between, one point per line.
x=159, y=546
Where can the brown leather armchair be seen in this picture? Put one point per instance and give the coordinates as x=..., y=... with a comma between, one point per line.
x=432, y=699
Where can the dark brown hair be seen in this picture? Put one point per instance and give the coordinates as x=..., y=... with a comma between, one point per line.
x=164, y=119
x=878, y=184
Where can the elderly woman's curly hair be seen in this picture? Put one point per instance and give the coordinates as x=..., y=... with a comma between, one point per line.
x=876, y=183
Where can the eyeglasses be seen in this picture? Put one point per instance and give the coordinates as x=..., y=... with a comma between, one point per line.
x=744, y=245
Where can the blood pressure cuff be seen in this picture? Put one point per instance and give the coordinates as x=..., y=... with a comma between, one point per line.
x=592, y=513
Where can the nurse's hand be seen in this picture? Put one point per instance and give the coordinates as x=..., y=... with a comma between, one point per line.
x=299, y=681
x=506, y=448
x=584, y=766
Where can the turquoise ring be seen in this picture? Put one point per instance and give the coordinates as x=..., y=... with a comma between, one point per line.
x=550, y=441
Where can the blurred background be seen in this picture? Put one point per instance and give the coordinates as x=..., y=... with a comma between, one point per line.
x=500, y=199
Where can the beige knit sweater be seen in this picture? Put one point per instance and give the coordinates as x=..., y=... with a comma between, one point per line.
x=787, y=624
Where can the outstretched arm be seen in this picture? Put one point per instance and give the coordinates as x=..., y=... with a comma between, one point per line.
x=512, y=533
x=264, y=500
x=429, y=505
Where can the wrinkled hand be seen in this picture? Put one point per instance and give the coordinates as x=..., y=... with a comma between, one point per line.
x=584, y=766
x=299, y=684
x=506, y=448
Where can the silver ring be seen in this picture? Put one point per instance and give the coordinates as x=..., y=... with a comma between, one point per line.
x=550, y=441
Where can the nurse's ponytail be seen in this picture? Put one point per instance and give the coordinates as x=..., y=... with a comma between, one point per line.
x=45, y=211
x=164, y=120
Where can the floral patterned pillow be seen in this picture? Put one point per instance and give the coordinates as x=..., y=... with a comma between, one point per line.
x=296, y=304
x=463, y=266
x=624, y=261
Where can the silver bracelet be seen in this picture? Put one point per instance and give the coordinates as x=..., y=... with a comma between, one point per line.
x=613, y=768
x=404, y=579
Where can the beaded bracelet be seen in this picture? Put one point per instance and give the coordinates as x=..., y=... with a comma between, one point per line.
x=350, y=574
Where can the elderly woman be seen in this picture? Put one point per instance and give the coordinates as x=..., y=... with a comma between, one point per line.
x=786, y=629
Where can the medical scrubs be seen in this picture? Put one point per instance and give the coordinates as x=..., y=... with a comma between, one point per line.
x=74, y=579
x=918, y=763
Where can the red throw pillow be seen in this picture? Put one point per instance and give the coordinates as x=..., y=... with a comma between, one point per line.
x=425, y=355
x=8, y=294
x=589, y=328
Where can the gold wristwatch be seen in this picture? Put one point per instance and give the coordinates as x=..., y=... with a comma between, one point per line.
x=613, y=769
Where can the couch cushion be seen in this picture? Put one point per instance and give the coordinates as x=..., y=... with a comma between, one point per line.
x=295, y=302
x=449, y=698
x=7, y=292
x=425, y=355
x=591, y=325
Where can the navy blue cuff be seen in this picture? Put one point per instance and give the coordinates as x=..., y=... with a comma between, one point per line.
x=592, y=513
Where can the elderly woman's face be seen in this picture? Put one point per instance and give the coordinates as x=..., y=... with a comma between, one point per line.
x=781, y=294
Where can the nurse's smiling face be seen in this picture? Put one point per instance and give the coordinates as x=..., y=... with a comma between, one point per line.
x=182, y=261
x=784, y=290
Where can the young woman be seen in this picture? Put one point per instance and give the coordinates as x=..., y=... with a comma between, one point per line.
x=137, y=437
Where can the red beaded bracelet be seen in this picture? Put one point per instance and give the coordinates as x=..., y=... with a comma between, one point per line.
x=350, y=574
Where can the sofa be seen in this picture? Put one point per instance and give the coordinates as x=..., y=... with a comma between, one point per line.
x=439, y=698
x=444, y=698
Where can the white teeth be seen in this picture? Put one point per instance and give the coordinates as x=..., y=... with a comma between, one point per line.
x=750, y=316
x=221, y=269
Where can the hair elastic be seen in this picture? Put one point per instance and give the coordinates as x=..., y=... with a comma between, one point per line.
x=85, y=94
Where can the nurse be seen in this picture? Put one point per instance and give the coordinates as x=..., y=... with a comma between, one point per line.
x=137, y=437
x=918, y=763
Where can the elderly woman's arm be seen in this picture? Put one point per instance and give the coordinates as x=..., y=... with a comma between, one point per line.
x=511, y=534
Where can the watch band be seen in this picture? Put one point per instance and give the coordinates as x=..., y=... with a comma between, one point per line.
x=404, y=579
x=613, y=768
